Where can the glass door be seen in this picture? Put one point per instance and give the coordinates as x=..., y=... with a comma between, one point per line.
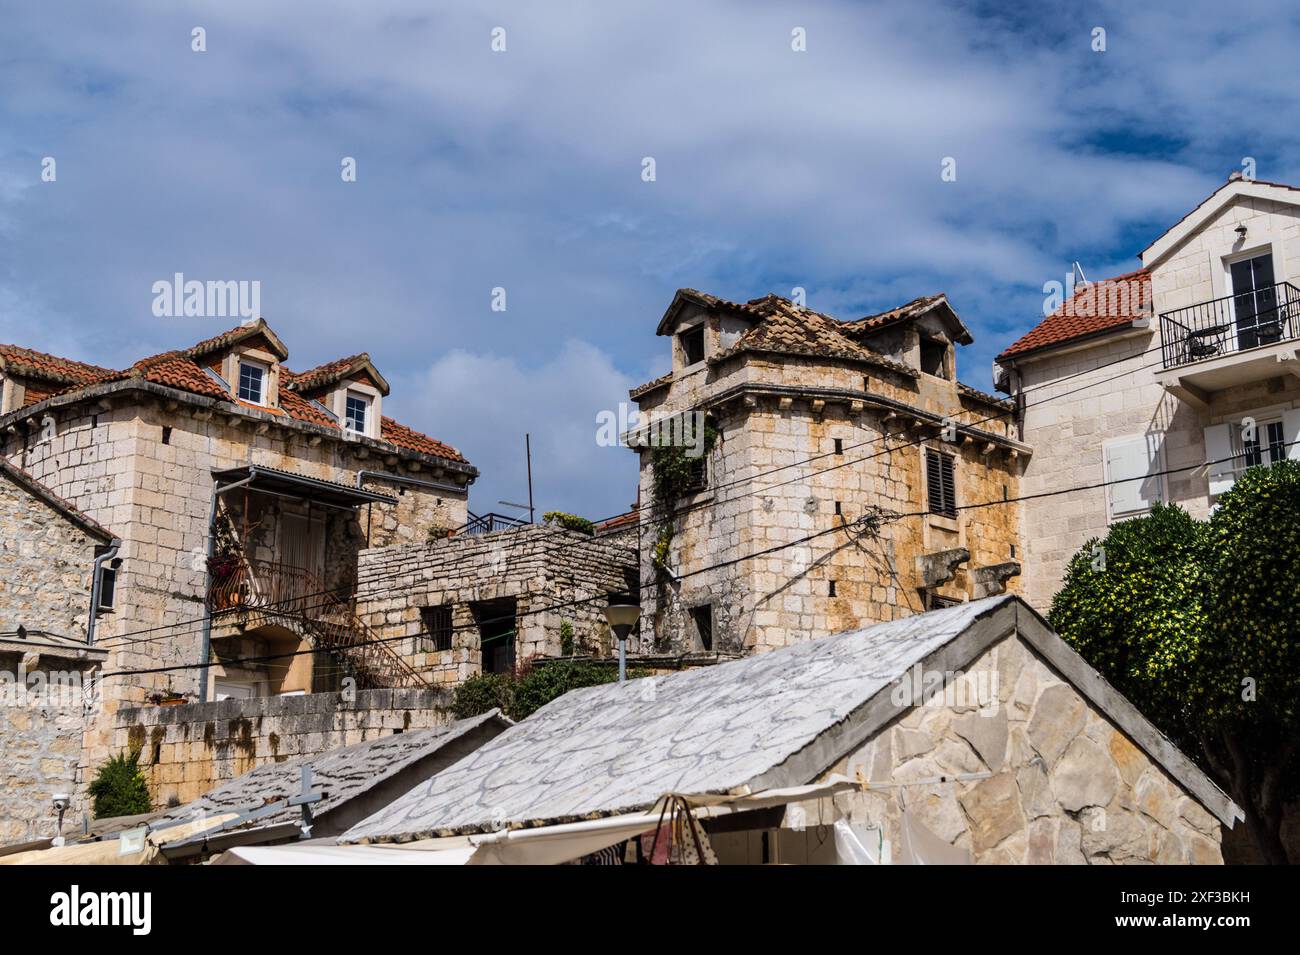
x=1254, y=302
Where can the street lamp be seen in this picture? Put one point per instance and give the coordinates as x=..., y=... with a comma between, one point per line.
x=622, y=617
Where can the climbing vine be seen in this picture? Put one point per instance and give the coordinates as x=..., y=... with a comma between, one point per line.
x=673, y=475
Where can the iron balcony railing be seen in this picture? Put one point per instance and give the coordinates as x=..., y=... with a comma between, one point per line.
x=1230, y=324
x=328, y=621
x=487, y=523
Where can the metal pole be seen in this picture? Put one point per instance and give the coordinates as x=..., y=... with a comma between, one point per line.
x=528, y=453
x=622, y=660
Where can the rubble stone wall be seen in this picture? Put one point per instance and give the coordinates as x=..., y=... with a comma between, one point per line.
x=1067, y=786
x=540, y=567
x=187, y=750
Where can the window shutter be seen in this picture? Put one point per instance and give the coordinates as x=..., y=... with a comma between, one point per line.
x=1218, y=448
x=1291, y=433
x=1132, y=461
x=940, y=483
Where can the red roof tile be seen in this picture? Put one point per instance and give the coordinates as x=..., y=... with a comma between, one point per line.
x=327, y=373
x=1093, y=308
x=179, y=370
x=404, y=437
x=49, y=367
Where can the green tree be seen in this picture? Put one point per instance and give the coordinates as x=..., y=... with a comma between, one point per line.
x=1196, y=623
x=119, y=788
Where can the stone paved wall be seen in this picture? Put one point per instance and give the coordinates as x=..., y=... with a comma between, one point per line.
x=46, y=566
x=538, y=566
x=1067, y=786
x=40, y=753
x=768, y=601
x=186, y=750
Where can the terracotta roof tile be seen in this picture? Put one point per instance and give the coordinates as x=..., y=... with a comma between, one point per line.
x=650, y=386
x=50, y=367
x=789, y=329
x=179, y=370
x=327, y=373
x=404, y=437
x=899, y=314
x=1093, y=308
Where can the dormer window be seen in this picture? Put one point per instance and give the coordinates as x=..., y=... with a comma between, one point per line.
x=252, y=381
x=692, y=345
x=356, y=412
x=934, y=357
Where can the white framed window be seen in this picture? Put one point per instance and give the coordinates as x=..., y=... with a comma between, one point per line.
x=1265, y=437
x=252, y=381
x=356, y=412
x=226, y=690
x=1132, y=474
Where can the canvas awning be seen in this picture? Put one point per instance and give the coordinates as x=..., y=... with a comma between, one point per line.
x=544, y=845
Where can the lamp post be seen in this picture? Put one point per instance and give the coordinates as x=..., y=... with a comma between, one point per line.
x=622, y=617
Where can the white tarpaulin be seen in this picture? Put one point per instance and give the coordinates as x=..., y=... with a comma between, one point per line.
x=341, y=855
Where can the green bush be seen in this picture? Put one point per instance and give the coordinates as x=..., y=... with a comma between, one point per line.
x=1198, y=624
x=119, y=788
x=570, y=522
x=520, y=697
x=483, y=692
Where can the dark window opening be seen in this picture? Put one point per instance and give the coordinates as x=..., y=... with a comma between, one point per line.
x=167, y=434
x=703, y=617
x=940, y=483
x=107, y=580
x=1013, y=551
x=831, y=589
x=497, y=627
x=839, y=445
x=838, y=508
x=437, y=626
x=699, y=474
x=693, y=345
x=933, y=357
x=935, y=601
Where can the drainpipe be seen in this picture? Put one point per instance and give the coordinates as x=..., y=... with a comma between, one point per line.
x=96, y=586
x=207, y=587
x=403, y=479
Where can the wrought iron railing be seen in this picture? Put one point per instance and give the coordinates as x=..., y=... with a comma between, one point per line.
x=1230, y=324
x=487, y=523
x=297, y=597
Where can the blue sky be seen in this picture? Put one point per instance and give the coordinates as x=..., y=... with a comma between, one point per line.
x=522, y=170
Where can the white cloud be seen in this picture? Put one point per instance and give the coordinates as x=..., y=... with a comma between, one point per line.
x=484, y=403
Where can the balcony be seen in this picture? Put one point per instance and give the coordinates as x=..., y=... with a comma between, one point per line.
x=263, y=592
x=1230, y=341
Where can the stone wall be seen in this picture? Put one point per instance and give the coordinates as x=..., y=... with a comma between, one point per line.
x=187, y=750
x=1067, y=786
x=538, y=566
x=764, y=491
x=46, y=566
x=41, y=729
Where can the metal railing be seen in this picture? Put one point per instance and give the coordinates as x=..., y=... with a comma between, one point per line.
x=1230, y=324
x=296, y=597
x=487, y=523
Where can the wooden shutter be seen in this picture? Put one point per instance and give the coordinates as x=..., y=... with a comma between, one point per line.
x=940, y=483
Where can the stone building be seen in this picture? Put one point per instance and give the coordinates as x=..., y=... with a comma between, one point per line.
x=1194, y=358
x=47, y=667
x=975, y=728
x=235, y=484
x=453, y=608
x=855, y=430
